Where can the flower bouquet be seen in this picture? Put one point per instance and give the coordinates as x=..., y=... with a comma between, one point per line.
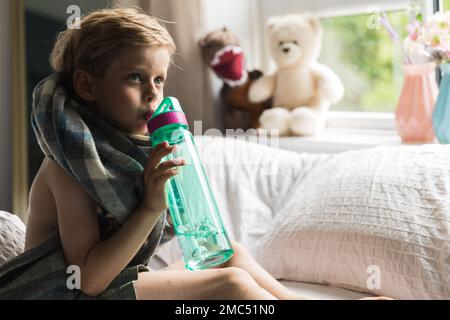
x=429, y=40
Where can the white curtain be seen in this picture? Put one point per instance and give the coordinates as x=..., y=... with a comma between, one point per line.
x=189, y=81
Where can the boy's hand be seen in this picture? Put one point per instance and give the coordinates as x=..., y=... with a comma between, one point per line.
x=155, y=176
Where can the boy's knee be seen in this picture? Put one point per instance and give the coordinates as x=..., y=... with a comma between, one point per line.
x=237, y=278
x=239, y=249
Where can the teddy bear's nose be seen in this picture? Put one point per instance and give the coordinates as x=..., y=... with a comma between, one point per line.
x=285, y=50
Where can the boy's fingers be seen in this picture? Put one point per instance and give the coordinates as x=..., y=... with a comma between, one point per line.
x=165, y=175
x=160, y=146
x=167, y=165
x=155, y=162
x=155, y=158
x=159, y=183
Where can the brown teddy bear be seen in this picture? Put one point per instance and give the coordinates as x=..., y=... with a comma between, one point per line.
x=222, y=52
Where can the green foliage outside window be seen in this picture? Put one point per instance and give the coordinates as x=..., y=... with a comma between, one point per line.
x=369, y=64
x=446, y=4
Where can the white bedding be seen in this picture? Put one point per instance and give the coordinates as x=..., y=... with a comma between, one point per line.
x=321, y=291
x=261, y=189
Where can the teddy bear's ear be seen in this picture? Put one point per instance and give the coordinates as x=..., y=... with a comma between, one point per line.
x=225, y=29
x=272, y=22
x=202, y=42
x=314, y=21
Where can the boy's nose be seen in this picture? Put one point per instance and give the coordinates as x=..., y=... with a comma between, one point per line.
x=151, y=94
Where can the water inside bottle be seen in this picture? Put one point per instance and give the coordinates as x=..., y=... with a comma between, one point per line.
x=205, y=246
x=199, y=231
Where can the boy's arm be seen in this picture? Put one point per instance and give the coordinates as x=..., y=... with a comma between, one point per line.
x=99, y=262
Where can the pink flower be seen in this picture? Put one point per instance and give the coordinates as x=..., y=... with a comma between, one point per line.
x=414, y=36
x=413, y=30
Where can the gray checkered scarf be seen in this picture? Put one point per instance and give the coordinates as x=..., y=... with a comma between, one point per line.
x=104, y=160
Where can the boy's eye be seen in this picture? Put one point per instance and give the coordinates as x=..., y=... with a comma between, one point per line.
x=136, y=77
x=159, y=80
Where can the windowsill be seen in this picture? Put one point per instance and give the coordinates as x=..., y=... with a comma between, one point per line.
x=344, y=131
x=336, y=140
x=333, y=140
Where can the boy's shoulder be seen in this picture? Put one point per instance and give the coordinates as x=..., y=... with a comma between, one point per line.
x=53, y=178
x=55, y=175
x=62, y=183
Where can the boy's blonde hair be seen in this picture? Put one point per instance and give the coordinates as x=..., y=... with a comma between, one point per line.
x=102, y=35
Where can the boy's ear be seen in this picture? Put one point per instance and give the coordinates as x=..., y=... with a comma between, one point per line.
x=83, y=84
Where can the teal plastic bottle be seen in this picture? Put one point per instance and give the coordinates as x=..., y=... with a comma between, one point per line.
x=198, y=225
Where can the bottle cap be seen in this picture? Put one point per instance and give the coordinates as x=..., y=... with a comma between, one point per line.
x=168, y=116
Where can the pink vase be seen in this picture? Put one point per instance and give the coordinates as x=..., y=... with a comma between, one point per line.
x=416, y=103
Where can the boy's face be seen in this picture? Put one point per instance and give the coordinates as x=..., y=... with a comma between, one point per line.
x=132, y=87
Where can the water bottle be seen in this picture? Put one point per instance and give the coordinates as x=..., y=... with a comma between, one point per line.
x=196, y=218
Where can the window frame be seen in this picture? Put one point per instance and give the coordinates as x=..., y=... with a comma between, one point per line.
x=361, y=120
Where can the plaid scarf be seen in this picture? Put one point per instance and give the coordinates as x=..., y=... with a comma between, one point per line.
x=107, y=162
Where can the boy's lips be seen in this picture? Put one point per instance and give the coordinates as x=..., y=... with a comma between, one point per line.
x=148, y=115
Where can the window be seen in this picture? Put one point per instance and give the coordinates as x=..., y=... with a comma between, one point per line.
x=369, y=64
x=358, y=50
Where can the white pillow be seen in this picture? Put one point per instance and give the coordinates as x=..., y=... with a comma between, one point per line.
x=12, y=236
x=375, y=220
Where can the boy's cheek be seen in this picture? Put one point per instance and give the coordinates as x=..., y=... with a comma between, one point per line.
x=127, y=99
x=160, y=98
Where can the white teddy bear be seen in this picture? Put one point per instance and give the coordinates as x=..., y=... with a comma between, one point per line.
x=302, y=89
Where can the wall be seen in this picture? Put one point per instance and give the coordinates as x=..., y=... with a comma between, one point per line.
x=5, y=110
x=241, y=17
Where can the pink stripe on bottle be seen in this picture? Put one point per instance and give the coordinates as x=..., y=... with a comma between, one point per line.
x=166, y=119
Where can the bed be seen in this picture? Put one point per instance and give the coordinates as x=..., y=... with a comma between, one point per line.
x=322, y=292
x=337, y=226
x=330, y=226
